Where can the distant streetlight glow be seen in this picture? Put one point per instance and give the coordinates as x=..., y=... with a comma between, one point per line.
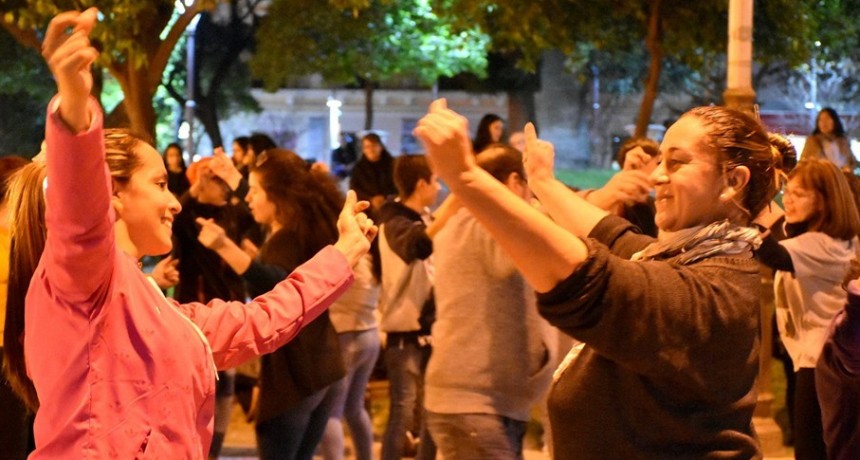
x=334, y=113
x=184, y=130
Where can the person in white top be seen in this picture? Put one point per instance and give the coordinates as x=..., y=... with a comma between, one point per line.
x=822, y=223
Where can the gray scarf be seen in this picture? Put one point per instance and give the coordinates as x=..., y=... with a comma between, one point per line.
x=694, y=244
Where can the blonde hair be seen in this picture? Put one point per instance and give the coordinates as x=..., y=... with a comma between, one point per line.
x=26, y=201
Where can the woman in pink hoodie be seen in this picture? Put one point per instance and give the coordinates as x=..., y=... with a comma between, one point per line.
x=115, y=368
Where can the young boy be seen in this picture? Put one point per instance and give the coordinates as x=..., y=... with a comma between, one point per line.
x=406, y=300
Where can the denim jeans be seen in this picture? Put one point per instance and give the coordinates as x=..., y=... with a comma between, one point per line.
x=296, y=433
x=405, y=362
x=359, y=349
x=477, y=436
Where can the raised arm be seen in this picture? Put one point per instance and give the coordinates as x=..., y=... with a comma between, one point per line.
x=238, y=332
x=544, y=252
x=565, y=206
x=80, y=245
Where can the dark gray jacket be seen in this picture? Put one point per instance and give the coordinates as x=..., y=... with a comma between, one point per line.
x=671, y=359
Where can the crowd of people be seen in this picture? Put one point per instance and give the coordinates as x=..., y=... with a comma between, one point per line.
x=274, y=289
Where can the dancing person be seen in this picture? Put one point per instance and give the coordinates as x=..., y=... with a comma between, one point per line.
x=829, y=141
x=115, y=368
x=299, y=209
x=353, y=317
x=628, y=193
x=478, y=398
x=203, y=276
x=406, y=305
x=822, y=224
x=671, y=325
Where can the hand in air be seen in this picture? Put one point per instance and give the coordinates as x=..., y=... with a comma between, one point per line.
x=637, y=160
x=165, y=273
x=211, y=235
x=69, y=54
x=625, y=187
x=445, y=136
x=355, y=229
x=222, y=167
x=539, y=156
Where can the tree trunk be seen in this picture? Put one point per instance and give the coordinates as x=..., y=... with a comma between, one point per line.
x=521, y=109
x=207, y=113
x=368, y=105
x=138, y=92
x=654, y=42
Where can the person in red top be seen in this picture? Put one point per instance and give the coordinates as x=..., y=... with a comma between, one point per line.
x=116, y=369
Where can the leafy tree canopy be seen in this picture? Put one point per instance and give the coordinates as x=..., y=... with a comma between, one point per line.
x=385, y=40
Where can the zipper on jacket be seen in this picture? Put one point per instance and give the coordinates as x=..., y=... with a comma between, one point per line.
x=193, y=326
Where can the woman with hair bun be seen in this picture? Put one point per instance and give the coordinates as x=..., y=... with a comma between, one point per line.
x=670, y=325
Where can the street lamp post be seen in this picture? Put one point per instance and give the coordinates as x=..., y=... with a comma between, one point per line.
x=739, y=92
x=740, y=95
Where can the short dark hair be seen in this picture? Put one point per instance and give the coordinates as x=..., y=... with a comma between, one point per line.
x=408, y=170
x=647, y=145
x=243, y=141
x=501, y=160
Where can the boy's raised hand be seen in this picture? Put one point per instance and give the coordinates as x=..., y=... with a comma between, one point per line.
x=539, y=156
x=445, y=135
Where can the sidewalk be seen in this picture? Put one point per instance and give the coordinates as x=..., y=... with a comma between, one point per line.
x=241, y=445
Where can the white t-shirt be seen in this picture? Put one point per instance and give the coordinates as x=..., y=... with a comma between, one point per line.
x=807, y=300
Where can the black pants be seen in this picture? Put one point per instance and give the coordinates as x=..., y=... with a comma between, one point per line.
x=15, y=424
x=808, y=431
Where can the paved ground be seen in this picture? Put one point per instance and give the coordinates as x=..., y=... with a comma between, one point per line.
x=240, y=444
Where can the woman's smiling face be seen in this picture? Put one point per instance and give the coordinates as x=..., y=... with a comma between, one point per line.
x=688, y=181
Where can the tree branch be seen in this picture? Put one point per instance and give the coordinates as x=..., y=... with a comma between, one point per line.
x=162, y=56
x=26, y=37
x=168, y=85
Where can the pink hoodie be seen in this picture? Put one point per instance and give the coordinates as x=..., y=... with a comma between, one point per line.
x=122, y=372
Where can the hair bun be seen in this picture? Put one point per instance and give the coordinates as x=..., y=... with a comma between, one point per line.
x=784, y=153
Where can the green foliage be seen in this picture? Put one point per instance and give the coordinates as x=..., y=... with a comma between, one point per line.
x=25, y=88
x=384, y=41
x=128, y=29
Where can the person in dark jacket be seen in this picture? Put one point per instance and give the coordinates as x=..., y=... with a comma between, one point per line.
x=671, y=325
x=373, y=175
x=203, y=275
x=177, y=180
x=300, y=209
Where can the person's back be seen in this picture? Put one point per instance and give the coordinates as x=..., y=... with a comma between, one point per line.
x=479, y=399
